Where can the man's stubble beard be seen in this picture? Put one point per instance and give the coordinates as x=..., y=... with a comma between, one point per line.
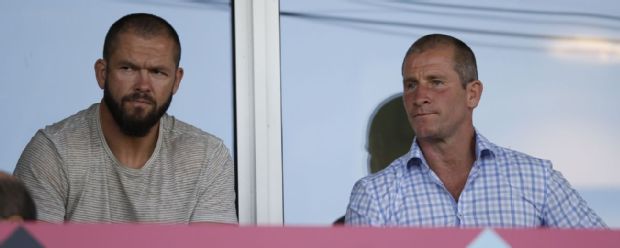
x=133, y=125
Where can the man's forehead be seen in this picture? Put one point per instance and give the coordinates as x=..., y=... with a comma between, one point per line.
x=443, y=50
x=127, y=39
x=156, y=48
x=429, y=59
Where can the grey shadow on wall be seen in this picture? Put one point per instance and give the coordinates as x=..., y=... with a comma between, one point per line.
x=389, y=135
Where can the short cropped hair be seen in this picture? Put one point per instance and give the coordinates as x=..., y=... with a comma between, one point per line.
x=15, y=200
x=144, y=25
x=463, y=58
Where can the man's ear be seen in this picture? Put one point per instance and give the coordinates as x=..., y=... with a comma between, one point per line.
x=474, y=91
x=177, y=80
x=100, y=72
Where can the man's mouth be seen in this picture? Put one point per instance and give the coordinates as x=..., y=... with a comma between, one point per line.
x=422, y=114
x=141, y=100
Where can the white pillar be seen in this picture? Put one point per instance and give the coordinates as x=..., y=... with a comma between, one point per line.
x=258, y=111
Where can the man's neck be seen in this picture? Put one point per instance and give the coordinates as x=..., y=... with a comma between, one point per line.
x=451, y=159
x=132, y=152
x=453, y=152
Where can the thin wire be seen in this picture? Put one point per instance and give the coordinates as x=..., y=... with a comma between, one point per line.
x=327, y=18
x=507, y=10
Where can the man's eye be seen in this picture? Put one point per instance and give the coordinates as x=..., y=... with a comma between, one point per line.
x=437, y=82
x=126, y=68
x=410, y=85
x=159, y=73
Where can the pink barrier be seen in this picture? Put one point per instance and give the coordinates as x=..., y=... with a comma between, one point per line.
x=153, y=235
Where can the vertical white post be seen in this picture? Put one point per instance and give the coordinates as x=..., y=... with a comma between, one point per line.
x=259, y=135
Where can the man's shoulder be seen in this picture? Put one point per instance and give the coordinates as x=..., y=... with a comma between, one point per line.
x=77, y=124
x=388, y=175
x=516, y=164
x=526, y=174
x=180, y=131
x=512, y=157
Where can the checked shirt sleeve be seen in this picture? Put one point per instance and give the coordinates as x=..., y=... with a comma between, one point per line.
x=565, y=208
x=364, y=209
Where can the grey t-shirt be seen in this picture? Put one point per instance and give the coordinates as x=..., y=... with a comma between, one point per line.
x=73, y=175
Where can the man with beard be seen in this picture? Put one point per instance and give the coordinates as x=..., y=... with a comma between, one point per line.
x=125, y=159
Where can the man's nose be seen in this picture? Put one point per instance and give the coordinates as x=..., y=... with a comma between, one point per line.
x=143, y=81
x=421, y=95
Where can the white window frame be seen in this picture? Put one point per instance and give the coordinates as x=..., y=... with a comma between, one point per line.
x=258, y=111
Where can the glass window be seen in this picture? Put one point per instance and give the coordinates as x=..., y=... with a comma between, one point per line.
x=549, y=71
x=48, y=50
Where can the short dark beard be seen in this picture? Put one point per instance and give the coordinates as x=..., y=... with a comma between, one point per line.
x=131, y=125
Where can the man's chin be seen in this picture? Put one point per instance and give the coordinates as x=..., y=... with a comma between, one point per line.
x=137, y=127
x=422, y=133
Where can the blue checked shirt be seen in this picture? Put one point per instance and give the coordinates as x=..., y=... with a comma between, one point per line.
x=504, y=188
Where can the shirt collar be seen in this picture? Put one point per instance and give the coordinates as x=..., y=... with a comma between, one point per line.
x=484, y=148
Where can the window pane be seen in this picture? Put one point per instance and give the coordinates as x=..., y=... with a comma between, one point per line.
x=549, y=70
x=48, y=49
